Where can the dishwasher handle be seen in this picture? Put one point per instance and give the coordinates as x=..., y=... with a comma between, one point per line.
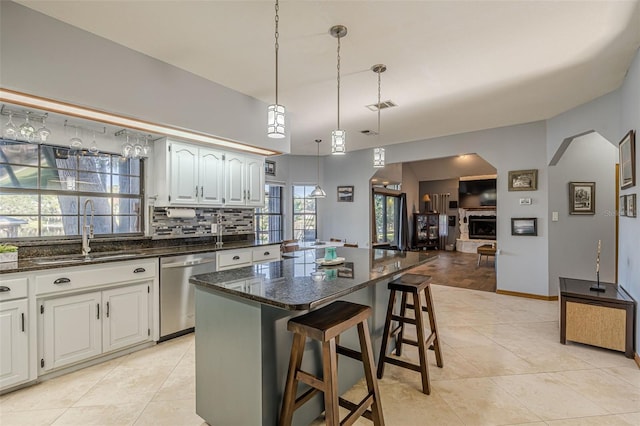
x=188, y=263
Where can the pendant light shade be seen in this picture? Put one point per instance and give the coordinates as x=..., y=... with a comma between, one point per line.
x=338, y=136
x=317, y=191
x=276, y=112
x=378, y=153
x=378, y=157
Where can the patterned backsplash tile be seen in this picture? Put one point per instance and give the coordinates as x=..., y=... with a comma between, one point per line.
x=232, y=221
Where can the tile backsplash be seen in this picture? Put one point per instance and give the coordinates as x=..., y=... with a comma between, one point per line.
x=233, y=221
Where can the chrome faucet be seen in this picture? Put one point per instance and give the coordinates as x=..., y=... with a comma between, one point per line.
x=87, y=230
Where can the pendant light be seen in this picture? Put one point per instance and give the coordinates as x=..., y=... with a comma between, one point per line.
x=317, y=191
x=378, y=153
x=276, y=112
x=338, y=136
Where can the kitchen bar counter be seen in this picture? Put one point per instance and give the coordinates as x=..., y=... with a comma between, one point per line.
x=242, y=342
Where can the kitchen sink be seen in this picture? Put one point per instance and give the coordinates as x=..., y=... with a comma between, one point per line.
x=81, y=259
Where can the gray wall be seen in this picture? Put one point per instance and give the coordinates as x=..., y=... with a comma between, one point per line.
x=46, y=57
x=573, y=239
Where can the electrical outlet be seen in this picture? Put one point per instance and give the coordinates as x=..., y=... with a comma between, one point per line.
x=554, y=216
x=214, y=228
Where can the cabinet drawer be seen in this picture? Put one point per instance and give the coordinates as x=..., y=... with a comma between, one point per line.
x=233, y=259
x=13, y=288
x=265, y=254
x=84, y=277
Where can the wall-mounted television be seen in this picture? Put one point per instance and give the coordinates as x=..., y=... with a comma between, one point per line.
x=477, y=193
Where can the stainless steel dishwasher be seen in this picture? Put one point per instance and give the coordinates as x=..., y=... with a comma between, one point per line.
x=177, y=305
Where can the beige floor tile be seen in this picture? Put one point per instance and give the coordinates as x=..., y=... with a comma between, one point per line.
x=630, y=374
x=105, y=415
x=55, y=393
x=495, y=360
x=609, y=392
x=177, y=386
x=599, y=357
x=548, y=397
x=482, y=402
x=461, y=336
x=30, y=418
x=170, y=413
x=630, y=418
x=611, y=420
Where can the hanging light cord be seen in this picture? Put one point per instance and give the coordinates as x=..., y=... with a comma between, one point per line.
x=379, y=70
x=318, y=156
x=277, y=34
x=338, y=67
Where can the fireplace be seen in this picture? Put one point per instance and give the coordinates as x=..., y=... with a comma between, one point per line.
x=482, y=227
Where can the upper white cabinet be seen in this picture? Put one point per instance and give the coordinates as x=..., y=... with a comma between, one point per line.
x=188, y=174
x=191, y=175
x=244, y=180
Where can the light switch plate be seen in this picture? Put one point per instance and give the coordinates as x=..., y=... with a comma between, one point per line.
x=214, y=228
x=554, y=216
x=525, y=201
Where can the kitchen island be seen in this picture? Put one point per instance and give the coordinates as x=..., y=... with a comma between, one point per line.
x=242, y=342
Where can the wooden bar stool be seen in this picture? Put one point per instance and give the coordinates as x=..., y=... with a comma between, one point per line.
x=413, y=284
x=325, y=325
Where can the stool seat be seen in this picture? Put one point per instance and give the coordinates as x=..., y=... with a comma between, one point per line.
x=325, y=325
x=414, y=285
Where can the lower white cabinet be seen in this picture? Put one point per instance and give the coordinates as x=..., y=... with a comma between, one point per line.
x=14, y=350
x=82, y=326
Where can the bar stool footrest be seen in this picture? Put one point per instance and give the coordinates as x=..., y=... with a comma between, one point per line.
x=302, y=399
x=349, y=353
x=401, y=363
x=403, y=319
x=357, y=410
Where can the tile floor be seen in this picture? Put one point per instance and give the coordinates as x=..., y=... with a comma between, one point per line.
x=503, y=366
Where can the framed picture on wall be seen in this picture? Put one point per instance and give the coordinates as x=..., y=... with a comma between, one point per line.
x=631, y=205
x=269, y=167
x=524, y=226
x=582, y=198
x=628, y=160
x=523, y=180
x=345, y=193
x=622, y=208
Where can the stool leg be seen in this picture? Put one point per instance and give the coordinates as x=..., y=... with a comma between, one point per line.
x=369, y=367
x=291, y=386
x=479, y=257
x=434, y=326
x=330, y=379
x=422, y=344
x=403, y=313
x=385, y=336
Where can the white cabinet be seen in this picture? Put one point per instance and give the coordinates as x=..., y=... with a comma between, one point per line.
x=193, y=175
x=237, y=258
x=244, y=180
x=188, y=174
x=72, y=329
x=14, y=346
x=92, y=310
x=126, y=317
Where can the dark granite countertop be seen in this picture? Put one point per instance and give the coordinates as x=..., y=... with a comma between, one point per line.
x=287, y=283
x=35, y=263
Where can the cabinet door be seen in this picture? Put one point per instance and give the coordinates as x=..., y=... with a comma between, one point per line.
x=14, y=343
x=234, y=180
x=255, y=182
x=211, y=177
x=126, y=316
x=183, y=174
x=72, y=329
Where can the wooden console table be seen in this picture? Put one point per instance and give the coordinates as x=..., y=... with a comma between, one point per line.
x=605, y=319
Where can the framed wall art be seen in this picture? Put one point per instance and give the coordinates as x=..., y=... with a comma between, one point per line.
x=582, y=198
x=345, y=193
x=631, y=206
x=627, y=149
x=622, y=207
x=269, y=167
x=523, y=180
x=527, y=226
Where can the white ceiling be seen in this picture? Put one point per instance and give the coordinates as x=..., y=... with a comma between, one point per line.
x=453, y=66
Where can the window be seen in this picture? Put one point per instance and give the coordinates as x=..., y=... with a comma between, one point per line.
x=304, y=213
x=269, y=218
x=386, y=215
x=43, y=189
